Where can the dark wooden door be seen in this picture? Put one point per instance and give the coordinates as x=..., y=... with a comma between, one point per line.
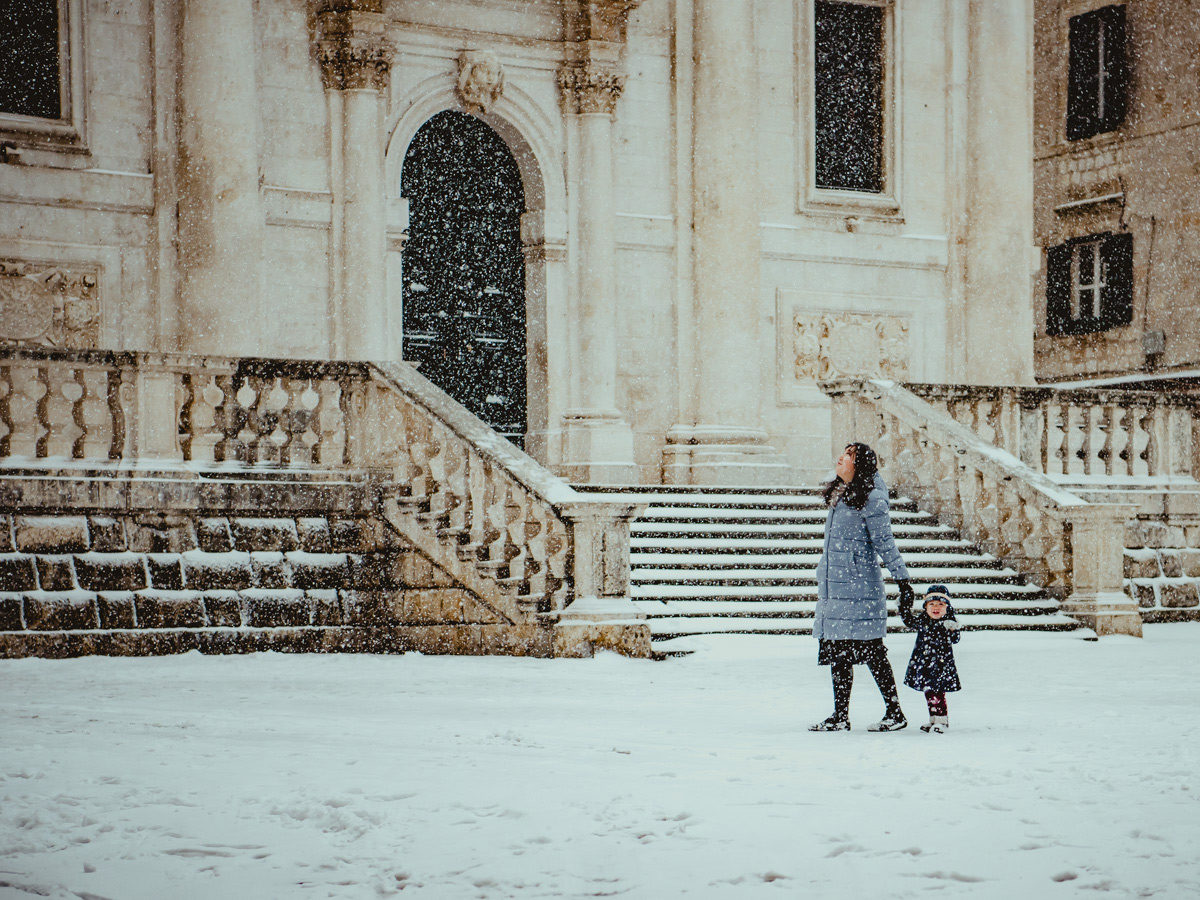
x=464, y=271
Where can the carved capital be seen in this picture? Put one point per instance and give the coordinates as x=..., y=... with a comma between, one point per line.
x=480, y=80
x=588, y=88
x=352, y=46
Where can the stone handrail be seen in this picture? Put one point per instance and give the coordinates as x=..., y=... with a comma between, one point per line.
x=1069, y=546
x=1081, y=432
x=476, y=497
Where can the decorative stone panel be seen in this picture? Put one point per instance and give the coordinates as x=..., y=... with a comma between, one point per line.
x=45, y=305
x=831, y=344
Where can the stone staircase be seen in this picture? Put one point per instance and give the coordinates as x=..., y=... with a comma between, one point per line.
x=709, y=560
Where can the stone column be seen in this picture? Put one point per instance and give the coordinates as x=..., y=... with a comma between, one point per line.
x=724, y=442
x=597, y=441
x=220, y=204
x=355, y=58
x=999, y=254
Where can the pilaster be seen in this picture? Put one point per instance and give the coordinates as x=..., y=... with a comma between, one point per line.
x=722, y=441
x=355, y=58
x=221, y=218
x=597, y=440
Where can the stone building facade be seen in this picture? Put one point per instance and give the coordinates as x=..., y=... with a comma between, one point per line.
x=1117, y=170
x=229, y=177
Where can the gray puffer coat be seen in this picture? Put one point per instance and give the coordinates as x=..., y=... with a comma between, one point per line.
x=850, y=599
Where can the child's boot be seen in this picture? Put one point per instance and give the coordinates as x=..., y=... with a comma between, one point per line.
x=937, y=724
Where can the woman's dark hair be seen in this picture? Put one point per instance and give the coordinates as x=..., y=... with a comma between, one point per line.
x=855, y=494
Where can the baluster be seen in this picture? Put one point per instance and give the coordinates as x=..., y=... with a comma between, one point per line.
x=6, y=395
x=1086, y=440
x=208, y=417
x=1157, y=452
x=328, y=421
x=1032, y=434
x=1109, y=427
x=458, y=487
x=537, y=525
x=558, y=564
x=475, y=536
x=250, y=397
x=1125, y=434
x=495, y=514
x=56, y=411
x=1144, y=419
x=272, y=420
x=1035, y=544
x=297, y=449
x=948, y=486
x=517, y=508
x=92, y=415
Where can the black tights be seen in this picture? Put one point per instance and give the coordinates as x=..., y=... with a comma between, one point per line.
x=843, y=680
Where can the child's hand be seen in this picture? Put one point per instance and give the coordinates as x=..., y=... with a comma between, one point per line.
x=951, y=625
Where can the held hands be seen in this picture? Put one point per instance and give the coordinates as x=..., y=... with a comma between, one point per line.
x=906, y=592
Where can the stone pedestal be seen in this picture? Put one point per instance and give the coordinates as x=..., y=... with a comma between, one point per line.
x=722, y=441
x=1098, y=597
x=220, y=206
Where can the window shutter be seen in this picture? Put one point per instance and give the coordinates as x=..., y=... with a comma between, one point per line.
x=1116, y=300
x=1083, y=83
x=1116, y=83
x=1058, y=288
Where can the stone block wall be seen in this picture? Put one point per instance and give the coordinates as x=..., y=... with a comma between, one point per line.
x=1162, y=568
x=76, y=581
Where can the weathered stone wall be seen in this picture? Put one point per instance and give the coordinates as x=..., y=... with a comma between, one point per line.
x=1162, y=567
x=1149, y=168
x=85, y=567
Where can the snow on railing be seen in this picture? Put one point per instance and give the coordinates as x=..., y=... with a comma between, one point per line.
x=484, y=501
x=1080, y=432
x=1071, y=547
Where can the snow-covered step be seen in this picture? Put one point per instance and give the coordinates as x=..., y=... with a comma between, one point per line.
x=665, y=629
x=1035, y=606
x=711, y=560
x=722, y=590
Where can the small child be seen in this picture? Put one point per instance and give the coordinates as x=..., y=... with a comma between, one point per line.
x=932, y=668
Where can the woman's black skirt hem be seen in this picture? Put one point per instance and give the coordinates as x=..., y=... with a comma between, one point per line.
x=851, y=652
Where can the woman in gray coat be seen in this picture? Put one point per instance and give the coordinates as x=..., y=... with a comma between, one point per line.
x=851, y=616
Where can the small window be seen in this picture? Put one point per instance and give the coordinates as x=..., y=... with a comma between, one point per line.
x=31, y=70
x=848, y=88
x=1089, y=284
x=1098, y=77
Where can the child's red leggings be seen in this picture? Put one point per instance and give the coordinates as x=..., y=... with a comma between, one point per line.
x=937, y=702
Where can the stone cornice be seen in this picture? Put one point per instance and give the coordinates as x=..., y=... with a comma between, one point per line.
x=597, y=20
x=590, y=88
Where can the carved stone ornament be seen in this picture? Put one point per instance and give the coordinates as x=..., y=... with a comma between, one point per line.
x=480, y=80
x=830, y=345
x=588, y=88
x=47, y=306
x=353, y=62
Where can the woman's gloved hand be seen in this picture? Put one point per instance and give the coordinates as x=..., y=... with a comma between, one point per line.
x=906, y=592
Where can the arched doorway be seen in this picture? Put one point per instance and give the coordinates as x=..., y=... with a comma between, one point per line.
x=464, y=270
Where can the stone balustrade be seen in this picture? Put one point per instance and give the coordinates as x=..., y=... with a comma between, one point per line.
x=502, y=525
x=1069, y=546
x=1076, y=434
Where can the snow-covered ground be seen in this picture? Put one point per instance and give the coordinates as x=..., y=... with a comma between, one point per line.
x=1070, y=770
